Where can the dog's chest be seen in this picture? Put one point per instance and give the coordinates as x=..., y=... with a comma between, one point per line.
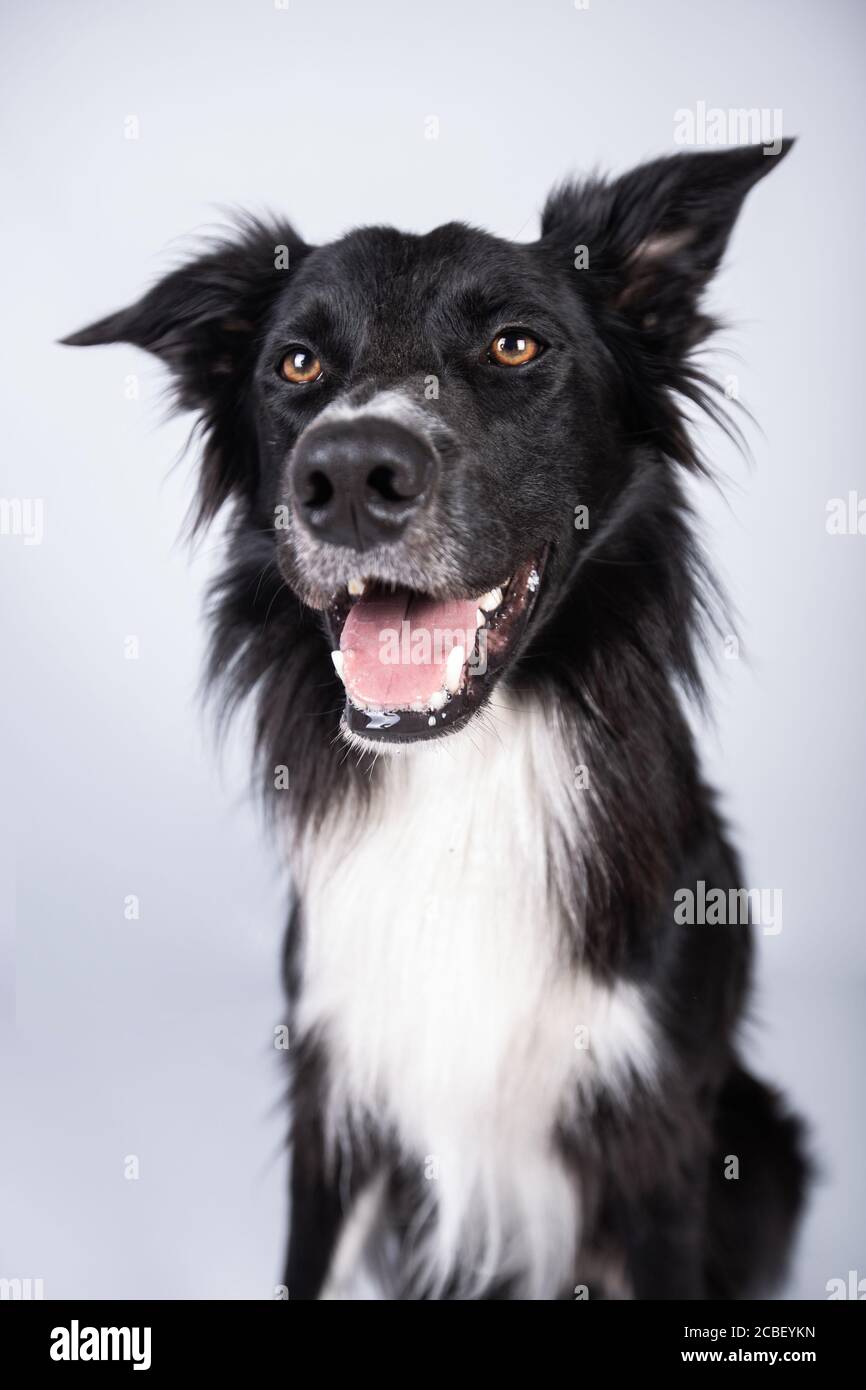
x=434, y=968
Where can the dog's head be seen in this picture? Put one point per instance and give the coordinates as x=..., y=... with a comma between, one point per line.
x=437, y=431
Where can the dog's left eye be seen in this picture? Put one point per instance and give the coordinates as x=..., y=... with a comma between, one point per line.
x=300, y=366
x=512, y=348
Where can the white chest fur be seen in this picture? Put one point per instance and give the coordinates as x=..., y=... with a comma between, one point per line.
x=434, y=966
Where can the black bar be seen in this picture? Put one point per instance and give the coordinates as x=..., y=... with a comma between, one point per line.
x=227, y=1337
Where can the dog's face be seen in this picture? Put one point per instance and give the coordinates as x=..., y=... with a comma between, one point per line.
x=431, y=414
x=437, y=429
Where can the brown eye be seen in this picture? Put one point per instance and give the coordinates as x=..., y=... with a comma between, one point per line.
x=300, y=366
x=512, y=348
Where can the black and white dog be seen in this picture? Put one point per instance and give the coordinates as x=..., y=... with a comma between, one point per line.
x=462, y=586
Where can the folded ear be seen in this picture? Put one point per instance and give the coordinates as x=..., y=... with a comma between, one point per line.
x=647, y=244
x=202, y=321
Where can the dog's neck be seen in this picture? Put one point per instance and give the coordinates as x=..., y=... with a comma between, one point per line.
x=518, y=755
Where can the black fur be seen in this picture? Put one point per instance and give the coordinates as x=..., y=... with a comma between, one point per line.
x=597, y=420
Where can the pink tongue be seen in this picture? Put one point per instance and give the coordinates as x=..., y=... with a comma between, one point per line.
x=395, y=647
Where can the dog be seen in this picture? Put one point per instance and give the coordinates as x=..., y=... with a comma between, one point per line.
x=461, y=585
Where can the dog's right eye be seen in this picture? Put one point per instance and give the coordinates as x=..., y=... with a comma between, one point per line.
x=300, y=366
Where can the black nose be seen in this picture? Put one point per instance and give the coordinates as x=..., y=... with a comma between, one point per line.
x=359, y=482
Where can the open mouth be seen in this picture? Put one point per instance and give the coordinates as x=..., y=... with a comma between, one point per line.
x=414, y=666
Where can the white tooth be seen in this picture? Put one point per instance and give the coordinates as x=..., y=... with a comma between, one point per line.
x=437, y=700
x=337, y=658
x=480, y=619
x=356, y=587
x=454, y=668
x=490, y=601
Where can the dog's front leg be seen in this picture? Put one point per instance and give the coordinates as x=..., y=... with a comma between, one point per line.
x=315, y=1215
x=334, y=1216
x=337, y=1192
x=315, y=1197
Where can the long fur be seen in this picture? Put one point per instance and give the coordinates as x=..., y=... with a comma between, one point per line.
x=513, y=1074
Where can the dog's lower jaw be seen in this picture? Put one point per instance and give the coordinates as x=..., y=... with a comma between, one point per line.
x=434, y=970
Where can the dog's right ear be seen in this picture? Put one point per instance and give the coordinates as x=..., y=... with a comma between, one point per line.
x=202, y=321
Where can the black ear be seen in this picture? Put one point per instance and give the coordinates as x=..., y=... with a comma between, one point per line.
x=202, y=321
x=654, y=237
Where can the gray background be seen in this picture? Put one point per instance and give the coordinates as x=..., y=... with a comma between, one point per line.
x=153, y=1037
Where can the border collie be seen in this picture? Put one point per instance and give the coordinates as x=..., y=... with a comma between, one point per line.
x=462, y=586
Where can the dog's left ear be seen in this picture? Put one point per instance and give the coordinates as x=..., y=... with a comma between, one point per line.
x=646, y=244
x=202, y=321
